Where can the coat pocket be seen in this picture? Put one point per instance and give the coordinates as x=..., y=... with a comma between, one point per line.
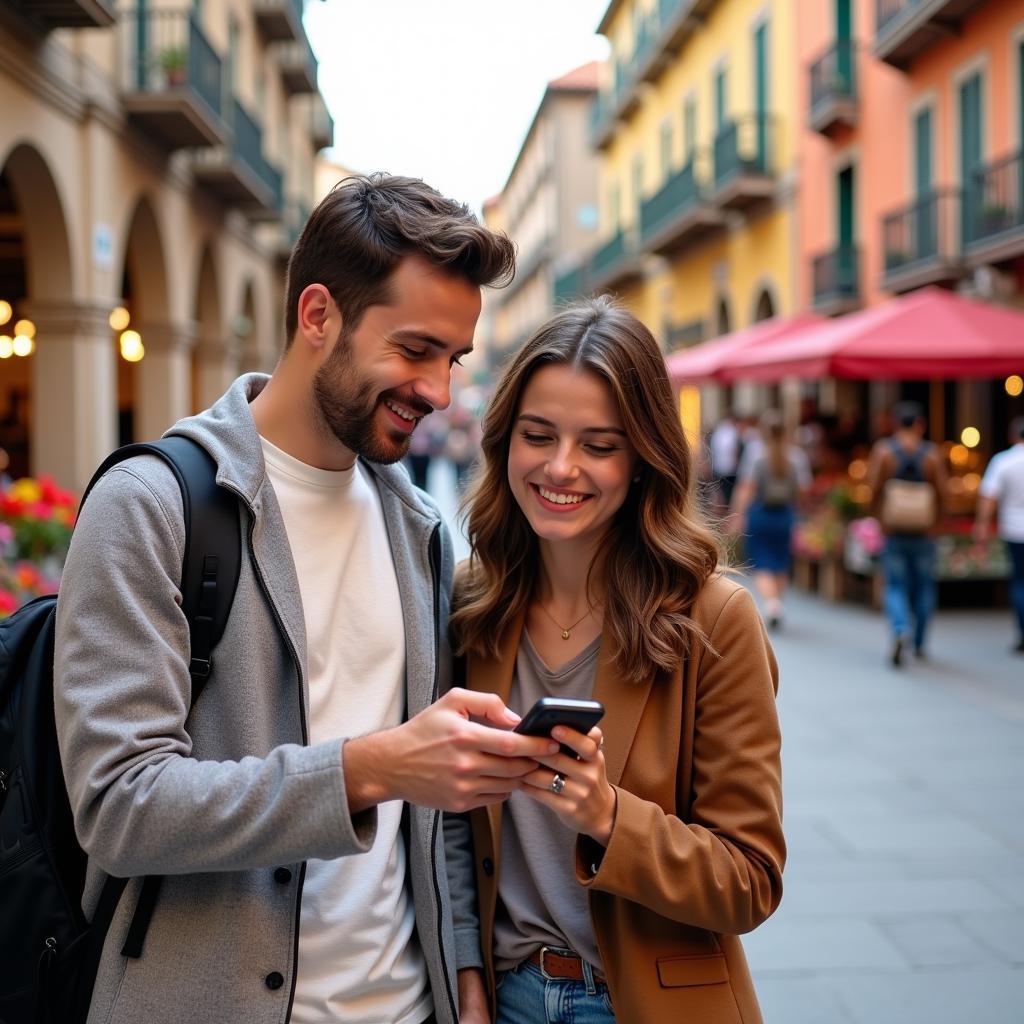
x=679, y=971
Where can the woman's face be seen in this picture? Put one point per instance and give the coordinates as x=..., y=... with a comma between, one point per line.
x=570, y=463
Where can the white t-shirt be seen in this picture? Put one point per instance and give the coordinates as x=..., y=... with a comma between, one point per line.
x=359, y=956
x=1004, y=481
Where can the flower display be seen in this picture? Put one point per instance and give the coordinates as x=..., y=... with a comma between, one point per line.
x=36, y=520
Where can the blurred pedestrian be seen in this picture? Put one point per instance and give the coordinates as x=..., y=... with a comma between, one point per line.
x=908, y=477
x=726, y=446
x=1003, y=487
x=774, y=475
x=424, y=446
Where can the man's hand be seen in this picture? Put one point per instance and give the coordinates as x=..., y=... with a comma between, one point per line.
x=442, y=759
x=473, y=1008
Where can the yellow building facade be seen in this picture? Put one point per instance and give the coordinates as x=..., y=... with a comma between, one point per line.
x=695, y=129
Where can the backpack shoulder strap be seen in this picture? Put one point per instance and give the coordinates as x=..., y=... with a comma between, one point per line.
x=209, y=578
x=213, y=554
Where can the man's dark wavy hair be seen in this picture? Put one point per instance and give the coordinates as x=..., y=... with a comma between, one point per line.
x=362, y=229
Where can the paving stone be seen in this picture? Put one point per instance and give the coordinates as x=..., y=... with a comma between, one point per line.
x=938, y=942
x=792, y=943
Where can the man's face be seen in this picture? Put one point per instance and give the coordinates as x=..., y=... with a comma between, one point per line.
x=381, y=379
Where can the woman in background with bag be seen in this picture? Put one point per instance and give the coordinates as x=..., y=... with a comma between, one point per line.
x=774, y=477
x=908, y=478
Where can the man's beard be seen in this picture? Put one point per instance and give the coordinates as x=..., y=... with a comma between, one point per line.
x=347, y=407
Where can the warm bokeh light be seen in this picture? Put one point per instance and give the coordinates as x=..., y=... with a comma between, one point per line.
x=861, y=494
x=6, y=346
x=23, y=345
x=970, y=436
x=25, y=327
x=1014, y=385
x=956, y=485
x=858, y=469
x=972, y=481
x=6, y=312
x=119, y=318
x=959, y=455
x=132, y=349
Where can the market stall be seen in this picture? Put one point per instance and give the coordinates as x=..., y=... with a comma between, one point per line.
x=928, y=335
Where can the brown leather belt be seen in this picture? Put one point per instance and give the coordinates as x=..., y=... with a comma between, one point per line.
x=560, y=965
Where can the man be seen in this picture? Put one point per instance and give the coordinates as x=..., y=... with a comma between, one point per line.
x=908, y=479
x=1003, y=487
x=315, y=738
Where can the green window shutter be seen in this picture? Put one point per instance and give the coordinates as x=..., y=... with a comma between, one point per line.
x=970, y=151
x=844, y=21
x=720, y=98
x=844, y=205
x=689, y=128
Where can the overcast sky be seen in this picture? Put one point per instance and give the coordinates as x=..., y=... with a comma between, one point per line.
x=444, y=89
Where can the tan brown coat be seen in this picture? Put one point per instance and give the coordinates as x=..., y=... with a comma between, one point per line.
x=696, y=852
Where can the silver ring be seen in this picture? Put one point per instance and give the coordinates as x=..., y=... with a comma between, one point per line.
x=557, y=784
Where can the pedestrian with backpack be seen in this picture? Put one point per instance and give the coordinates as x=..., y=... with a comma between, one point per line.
x=907, y=476
x=774, y=476
x=291, y=807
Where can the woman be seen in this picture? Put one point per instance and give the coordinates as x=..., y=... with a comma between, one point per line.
x=774, y=476
x=612, y=886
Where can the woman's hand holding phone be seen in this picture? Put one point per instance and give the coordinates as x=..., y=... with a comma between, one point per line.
x=586, y=801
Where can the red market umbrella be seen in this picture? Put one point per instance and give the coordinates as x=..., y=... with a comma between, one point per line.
x=923, y=335
x=704, y=363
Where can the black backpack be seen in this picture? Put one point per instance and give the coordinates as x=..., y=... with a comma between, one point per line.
x=49, y=953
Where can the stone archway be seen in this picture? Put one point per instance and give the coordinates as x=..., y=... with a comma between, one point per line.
x=215, y=356
x=63, y=411
x=243, y=327
x=157, y=390
x=764, y=308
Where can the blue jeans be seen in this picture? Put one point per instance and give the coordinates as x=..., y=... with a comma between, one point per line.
x=1016, y=549
x=908, y=566
x=525, y=996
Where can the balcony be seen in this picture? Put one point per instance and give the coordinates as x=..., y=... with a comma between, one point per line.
x=170, y=78
x=610, y=106
x=684, y=335
x=834, y=88
x=673, y=23
x=237, y=173
x=994, y=212
x=571, y=285
x=921, y=243
x=321, y=123
x=279, y=20
x=836, y=281
x=295, y=215
x=678, y=214
x=743, y=174
x=615, y=264
x=297, y=64
x=51, y=14
x=906, y=28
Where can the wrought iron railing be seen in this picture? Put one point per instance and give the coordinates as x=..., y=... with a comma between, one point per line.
x=165, y=50
x=925, y=231
x=994, y=200
x=835, y=274
x=889, y=11
x=678, y=194
x=571, y=285
x=610, y=254
x=834, y=74
x=743, y=146
x=247, y=146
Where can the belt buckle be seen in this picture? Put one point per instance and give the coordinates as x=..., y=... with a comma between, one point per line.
x=544, y=950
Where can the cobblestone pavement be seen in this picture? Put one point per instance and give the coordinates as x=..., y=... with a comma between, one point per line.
x=904, y=890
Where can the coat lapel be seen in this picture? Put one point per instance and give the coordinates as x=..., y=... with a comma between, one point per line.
x=623, y=705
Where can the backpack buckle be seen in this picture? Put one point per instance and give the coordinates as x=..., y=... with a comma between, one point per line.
x=199, y=667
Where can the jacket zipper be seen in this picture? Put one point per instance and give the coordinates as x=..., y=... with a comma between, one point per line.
x=305, y=742
x=435, y=572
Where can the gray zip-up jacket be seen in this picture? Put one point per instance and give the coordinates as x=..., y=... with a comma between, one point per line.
x=222, y=797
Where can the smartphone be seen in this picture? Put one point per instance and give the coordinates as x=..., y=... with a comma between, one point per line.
x=581, y=715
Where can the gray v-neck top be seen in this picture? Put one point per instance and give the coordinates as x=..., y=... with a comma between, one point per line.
x=540, y=902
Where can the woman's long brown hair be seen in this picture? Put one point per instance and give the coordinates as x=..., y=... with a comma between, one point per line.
x=657, y=554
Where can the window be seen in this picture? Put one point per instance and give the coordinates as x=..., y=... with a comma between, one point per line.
x=666, y=147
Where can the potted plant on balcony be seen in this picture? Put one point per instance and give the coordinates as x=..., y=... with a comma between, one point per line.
x=174, y=64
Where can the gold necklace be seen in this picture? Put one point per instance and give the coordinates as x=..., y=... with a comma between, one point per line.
x=566, y=630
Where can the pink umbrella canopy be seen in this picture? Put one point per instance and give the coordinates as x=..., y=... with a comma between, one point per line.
x=704, y=362
x=924, y=335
